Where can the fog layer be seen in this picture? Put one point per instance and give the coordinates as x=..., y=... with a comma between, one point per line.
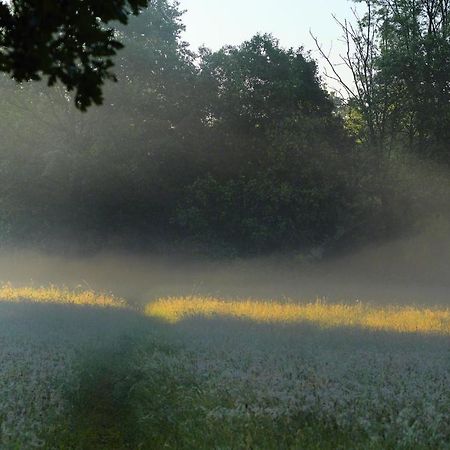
x=414, y=270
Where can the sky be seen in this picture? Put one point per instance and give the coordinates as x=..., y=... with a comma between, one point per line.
x=215, y=23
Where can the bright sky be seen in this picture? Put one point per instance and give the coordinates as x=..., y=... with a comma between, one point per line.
x=219, y=22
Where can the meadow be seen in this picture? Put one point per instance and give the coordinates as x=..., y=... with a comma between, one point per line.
x=86, y=370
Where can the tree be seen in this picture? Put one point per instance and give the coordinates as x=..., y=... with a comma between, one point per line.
x=252, y=88
x=367, y=92
x=259, y=83
x=69, y=41
x=398, y=52
x=279, y=158
x=112, y=168
x=416, y=60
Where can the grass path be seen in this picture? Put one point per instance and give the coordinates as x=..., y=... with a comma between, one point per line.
x=92, y=373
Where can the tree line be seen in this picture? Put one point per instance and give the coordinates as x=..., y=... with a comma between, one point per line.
x=237, y=151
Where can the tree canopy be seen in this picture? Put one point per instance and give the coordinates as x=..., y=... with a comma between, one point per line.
x=239, y=151
x=70, y=41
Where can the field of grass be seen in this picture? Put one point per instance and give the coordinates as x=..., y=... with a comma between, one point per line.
x=82, y=370
x=399, y=319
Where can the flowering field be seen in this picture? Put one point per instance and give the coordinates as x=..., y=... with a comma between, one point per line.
x=43, y=333
x=85, y=372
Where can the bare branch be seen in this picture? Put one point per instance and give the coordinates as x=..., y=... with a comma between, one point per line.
x=337, y=77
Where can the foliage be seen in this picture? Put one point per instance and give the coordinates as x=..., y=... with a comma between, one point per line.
x=414, y=61
x=66, y=41
x=398, y=55
x=234, y=152
x=279, y=178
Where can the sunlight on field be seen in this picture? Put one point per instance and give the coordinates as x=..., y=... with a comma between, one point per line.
x=53, y=294
x=218, y=384
x=399, y=319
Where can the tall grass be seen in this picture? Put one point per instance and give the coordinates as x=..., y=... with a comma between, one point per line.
x=54, y=294
x=399, y=319
x=285, y=375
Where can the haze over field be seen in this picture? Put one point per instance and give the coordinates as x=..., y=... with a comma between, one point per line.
x=385, y=274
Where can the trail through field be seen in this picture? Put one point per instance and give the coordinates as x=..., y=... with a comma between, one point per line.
x=88, y=371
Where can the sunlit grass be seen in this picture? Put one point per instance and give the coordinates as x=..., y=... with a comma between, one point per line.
x=399, y=319
x=53, y=294
x=391, y=318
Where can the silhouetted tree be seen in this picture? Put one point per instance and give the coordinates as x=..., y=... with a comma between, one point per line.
x=70, y=41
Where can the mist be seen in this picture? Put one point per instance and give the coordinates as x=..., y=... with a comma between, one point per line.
x=408, y=271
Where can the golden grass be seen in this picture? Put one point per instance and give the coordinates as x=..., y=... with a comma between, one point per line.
x=53, y=294
x=399, y=319
x=391, y=318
